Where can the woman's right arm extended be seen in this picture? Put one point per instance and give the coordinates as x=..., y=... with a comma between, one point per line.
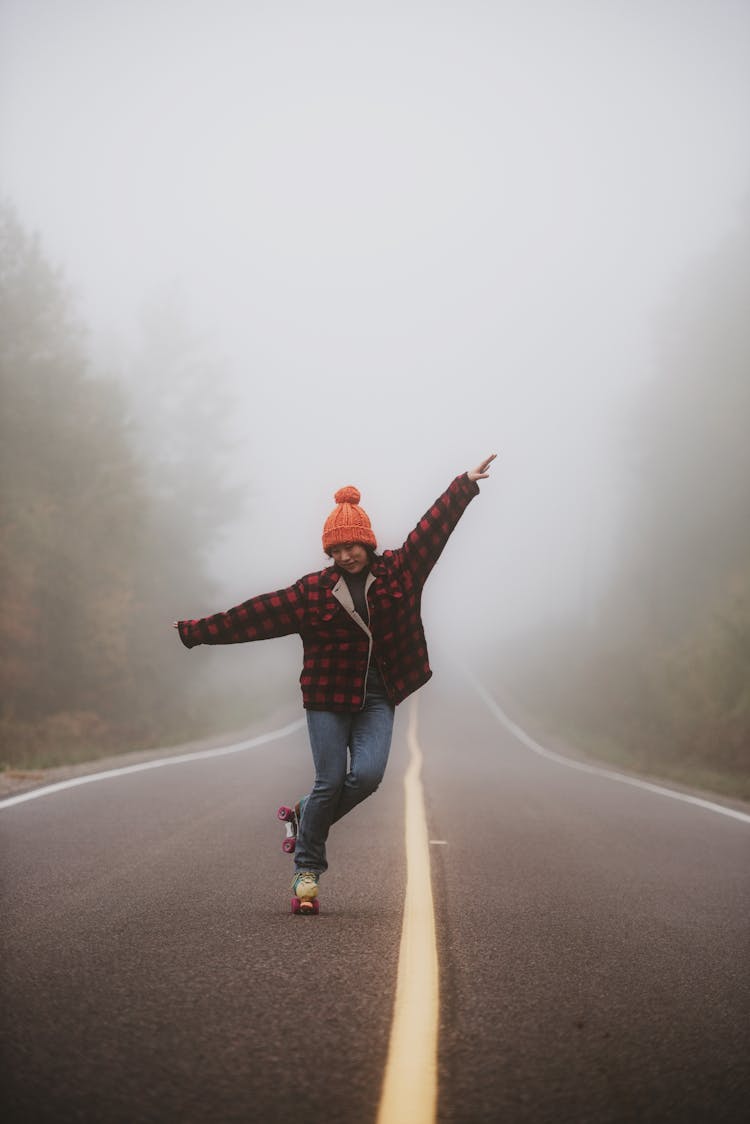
x=261, y=618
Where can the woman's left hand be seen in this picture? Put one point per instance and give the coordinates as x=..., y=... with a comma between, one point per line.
x=480, y=472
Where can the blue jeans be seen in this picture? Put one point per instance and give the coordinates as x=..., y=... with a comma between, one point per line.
x=366, y=734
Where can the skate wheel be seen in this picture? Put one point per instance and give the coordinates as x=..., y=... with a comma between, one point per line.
x=306, y=908
x=285, y=813
x=288, y=846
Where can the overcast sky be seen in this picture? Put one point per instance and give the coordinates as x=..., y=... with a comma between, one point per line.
x=416, y=232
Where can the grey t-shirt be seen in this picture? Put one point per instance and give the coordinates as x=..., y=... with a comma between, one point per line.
x=356, y=584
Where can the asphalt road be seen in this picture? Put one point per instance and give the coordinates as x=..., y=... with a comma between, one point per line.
x=593, y=942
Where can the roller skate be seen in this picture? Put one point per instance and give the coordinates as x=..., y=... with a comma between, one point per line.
x=290, y=817
x=305, y=890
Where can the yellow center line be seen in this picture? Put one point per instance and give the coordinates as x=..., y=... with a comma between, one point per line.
x=409, y=1094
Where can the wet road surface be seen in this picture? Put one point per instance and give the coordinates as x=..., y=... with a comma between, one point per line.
x=593, y=943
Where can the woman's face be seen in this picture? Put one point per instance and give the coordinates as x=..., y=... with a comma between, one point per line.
x=350, y=556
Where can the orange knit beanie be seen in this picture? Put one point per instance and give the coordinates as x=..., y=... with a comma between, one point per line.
x=348, y=522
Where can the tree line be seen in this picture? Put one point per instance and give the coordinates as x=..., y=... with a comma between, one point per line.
x=105, y=524
x=660, y=679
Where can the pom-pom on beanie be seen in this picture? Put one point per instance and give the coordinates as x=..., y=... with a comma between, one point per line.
x=348, y=522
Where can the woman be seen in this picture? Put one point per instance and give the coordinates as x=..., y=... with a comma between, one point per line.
x=364, y=653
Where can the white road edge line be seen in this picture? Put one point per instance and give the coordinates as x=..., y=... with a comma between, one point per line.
x=621, y=778
x=409, y=1094
x=158, y=763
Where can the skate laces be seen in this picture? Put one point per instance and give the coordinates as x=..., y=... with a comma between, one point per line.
x=306, y=878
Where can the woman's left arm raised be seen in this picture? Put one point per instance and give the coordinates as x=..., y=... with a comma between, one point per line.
x=425, y=544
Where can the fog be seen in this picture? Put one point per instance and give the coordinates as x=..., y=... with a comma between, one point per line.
x=407, y=234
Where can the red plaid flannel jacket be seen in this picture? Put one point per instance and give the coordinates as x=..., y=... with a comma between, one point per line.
x=336, y=650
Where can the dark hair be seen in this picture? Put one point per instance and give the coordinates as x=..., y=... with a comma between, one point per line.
x=371, y=551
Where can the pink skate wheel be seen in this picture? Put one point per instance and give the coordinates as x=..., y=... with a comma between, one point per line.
x=306, y=907
x=285, y=813
x=288, y=845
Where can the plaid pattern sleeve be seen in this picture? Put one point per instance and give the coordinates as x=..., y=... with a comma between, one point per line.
x=260, y=618
x=425, y=544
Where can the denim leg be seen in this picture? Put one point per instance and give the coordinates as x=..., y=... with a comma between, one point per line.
x=366, y=734
x=329, y=738
x=369, y=746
